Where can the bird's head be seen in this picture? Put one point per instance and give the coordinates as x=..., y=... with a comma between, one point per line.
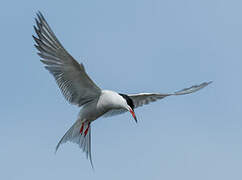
x=129, y=105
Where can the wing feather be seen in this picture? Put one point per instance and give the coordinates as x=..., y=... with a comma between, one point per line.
x=76, y=86
x=146, y=98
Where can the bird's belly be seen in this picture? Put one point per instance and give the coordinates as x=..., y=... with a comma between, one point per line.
x=91, y=112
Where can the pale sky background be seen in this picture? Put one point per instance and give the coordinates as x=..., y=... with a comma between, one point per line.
x=127, y=46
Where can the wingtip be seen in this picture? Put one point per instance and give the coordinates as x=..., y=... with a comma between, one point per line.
x=38, y=13
x=92, y=166
x=193, y=88
x=210, y=82
x=206, y=83
x=56, y=149
x=40, y=16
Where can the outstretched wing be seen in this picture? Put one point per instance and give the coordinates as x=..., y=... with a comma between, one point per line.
x=76, y=86
x=145, y=98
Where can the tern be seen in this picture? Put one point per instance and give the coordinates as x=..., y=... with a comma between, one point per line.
x=79, y=89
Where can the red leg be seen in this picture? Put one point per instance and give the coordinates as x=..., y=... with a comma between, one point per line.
x=86, y=131
x=81, y=130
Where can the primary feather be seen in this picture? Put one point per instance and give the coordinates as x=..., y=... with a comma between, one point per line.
x=76, y=86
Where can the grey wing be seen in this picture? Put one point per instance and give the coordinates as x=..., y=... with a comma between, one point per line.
x=146, y=98
x=75, y=84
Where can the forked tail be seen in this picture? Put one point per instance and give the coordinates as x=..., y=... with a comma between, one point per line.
x=79, y=133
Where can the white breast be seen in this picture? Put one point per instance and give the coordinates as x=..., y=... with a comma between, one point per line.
x=108, y=100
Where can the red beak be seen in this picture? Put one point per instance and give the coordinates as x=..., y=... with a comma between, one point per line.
x=133, y=114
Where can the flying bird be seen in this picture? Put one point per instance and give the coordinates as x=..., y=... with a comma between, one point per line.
x=79, y=89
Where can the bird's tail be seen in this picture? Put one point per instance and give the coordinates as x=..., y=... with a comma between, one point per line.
x=79, y=133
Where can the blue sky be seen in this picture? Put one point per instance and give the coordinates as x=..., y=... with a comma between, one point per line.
x=130, y=47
